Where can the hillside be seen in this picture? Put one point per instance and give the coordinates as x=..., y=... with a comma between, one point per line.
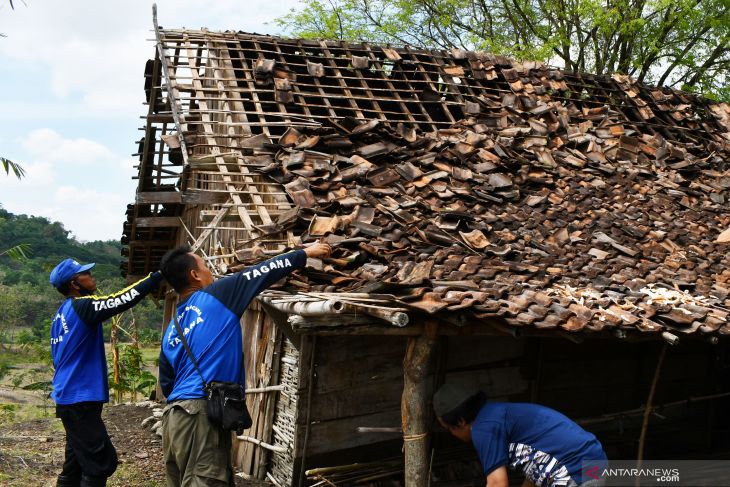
x=27, y=298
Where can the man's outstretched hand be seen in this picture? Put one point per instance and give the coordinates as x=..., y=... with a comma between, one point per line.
x=318, y=251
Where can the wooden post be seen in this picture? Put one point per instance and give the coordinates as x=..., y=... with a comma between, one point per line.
x=170, y=302
x=414, y=405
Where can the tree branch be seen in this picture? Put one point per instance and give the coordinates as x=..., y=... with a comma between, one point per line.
x=690, y=45
x=719, y=50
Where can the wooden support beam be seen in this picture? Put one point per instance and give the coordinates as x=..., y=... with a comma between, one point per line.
x=157, y=221
x=215, y=150
x=208, y=231
x=414, y=405
x=152, y=197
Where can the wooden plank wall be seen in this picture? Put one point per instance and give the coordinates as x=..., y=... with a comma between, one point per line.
x=603, y=377
x=358, y=382
x=262, y=344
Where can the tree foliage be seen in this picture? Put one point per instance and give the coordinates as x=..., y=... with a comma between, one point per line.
x=675, y=43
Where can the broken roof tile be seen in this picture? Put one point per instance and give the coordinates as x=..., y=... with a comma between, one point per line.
x=549, y=211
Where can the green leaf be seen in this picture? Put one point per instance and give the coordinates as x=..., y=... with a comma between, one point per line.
x=20, y=252
x=9, y=165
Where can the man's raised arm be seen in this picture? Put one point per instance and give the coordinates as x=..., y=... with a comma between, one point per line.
x=238, y=290
x=96, y=308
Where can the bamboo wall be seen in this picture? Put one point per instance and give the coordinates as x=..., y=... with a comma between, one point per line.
x=285, y=427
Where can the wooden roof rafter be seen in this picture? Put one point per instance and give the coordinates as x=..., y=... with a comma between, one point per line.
x=228, y=113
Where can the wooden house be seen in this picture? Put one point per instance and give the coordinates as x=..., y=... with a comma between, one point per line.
x=554, y=237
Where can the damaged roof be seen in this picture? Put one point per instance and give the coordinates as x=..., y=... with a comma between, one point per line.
x=492, y=191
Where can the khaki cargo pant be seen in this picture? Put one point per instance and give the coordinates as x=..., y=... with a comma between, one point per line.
x=196, y=453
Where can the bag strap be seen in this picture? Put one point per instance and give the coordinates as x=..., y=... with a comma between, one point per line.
x=187, y=348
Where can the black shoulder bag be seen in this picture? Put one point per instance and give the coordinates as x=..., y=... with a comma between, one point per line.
x=226, y=401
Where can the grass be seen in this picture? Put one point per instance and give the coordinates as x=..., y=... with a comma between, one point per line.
x=30, y=461
x=21, y=366
x=127, y=474
x=150, y=354
x=13, y=413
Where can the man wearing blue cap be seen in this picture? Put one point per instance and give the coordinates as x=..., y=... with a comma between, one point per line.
x=80, y=384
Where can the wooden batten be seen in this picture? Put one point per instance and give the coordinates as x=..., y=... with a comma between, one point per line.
x=170, y=302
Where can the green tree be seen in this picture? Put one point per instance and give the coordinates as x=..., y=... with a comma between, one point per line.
x=675, y=43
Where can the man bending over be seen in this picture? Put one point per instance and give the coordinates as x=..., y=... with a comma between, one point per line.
x=545, y=445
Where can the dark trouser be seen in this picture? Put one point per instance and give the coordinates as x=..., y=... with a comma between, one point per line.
x=90, y=455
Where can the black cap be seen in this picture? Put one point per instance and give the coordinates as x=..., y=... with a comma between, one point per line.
x=452, y=395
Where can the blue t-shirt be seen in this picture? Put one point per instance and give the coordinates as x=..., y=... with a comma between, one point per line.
x=210, y=321
x=77, y=342
x=545, y=445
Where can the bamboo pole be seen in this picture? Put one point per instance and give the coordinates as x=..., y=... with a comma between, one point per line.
x=115, y=359
x=326, y=307
x=262, y=444
x=135, y=343
x=637, y=411
x=258, y=390
x=648, y=410
x=414, y=411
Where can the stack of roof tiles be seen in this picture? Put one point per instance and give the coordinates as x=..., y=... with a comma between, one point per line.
x=531, y=210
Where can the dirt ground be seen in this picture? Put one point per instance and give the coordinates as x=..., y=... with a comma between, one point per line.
x=31, y=451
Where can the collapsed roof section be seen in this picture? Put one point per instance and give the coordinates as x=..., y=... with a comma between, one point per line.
x=452, y=181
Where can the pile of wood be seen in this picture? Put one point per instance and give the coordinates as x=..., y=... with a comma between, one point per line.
x=535, y=212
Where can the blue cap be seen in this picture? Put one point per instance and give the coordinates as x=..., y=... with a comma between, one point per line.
x=64, y=271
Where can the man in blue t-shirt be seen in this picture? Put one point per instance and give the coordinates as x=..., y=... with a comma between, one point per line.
x=208, y=313
x=544, y=444
x=80, y=383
